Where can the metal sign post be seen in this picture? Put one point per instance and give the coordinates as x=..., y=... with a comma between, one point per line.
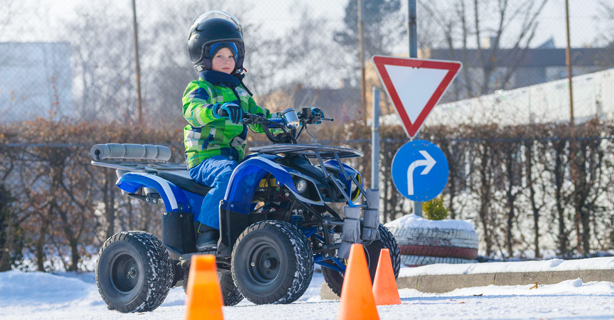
x=375, y=141
x=413, y=53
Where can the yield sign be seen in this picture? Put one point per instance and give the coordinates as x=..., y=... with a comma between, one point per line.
x=415, y=86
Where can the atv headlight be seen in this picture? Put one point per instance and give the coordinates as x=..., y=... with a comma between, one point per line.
x=301, y=186
x=306, y=188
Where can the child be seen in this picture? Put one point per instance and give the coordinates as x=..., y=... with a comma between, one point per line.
x=215, y=143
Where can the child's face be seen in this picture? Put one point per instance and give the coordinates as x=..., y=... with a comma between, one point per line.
x=224, y=61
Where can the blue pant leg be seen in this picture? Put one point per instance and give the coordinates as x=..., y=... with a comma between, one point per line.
x=214, y=172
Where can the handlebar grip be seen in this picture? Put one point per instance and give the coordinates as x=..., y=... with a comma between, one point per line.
x=223, y=113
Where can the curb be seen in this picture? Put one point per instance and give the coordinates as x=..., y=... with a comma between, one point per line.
x=450, y=282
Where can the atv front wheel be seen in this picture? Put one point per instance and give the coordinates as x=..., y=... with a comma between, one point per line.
x=272, y=262
x=134, y=272
x=334, y=279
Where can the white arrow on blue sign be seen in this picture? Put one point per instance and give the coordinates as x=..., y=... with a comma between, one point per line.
x=420, y=185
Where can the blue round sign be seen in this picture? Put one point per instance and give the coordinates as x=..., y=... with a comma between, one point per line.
x=420, y=170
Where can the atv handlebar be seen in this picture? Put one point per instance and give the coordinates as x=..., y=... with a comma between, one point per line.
x=305, y=117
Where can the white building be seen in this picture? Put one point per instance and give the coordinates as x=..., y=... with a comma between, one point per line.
x=547, y=102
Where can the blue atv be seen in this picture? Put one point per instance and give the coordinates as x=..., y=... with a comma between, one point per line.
x=276, y=220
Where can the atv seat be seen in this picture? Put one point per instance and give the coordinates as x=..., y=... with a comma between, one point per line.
x=183, y=180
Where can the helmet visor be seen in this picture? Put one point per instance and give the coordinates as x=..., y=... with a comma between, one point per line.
x=216, y=14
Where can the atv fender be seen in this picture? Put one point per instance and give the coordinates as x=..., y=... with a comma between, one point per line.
x=246, y=177
x=244, y=181
x=177, y=223
x=174, y=198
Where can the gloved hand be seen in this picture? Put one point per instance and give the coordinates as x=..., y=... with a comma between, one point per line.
x=316, y=113
x=230, y=111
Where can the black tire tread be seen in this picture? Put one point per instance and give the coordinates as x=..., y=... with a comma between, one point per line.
x=302, y=252
x=435, y=237
x=413, y=261
x=230, y=293
x=159, y=273
x=334, y=279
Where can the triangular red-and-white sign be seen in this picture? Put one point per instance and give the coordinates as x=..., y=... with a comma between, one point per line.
x=415, y=86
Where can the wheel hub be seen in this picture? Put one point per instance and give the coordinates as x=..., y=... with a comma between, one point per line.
x=270, y=263
x=131, y=273
x=264, y=264
x=124, y=273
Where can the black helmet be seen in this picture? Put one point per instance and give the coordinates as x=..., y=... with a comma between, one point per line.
x=210, y=28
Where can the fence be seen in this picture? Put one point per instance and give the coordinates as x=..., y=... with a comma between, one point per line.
x=530, y=190
x=67, y=81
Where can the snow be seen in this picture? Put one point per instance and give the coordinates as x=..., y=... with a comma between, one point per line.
x=499, y=267
x=414, y=221
x=36, y=295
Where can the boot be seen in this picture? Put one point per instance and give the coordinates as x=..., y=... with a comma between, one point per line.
x=207, y=238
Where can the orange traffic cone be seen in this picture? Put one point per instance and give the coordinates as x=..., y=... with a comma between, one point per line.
x=204, y=300
x=357, y=301
x=385, y=289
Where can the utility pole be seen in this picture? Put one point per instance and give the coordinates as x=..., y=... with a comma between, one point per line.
x=572, y=141
x=412, y=27
x=375, y=140
x=413, y=53
x=363, y=103
x=135, y=36
x=568, y=62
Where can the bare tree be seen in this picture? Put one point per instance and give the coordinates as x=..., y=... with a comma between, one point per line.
x=383, y=26
x=606, y=15
x=537, y=184
x=102, y=62
x=465, y=21
x=10, y=215
x=165, y=64
x=588, y=187
x=511, y=166
x=483, y=188
x=561, y=193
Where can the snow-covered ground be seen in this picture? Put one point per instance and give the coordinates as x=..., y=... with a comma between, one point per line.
x=602, y=263
x=36, y=295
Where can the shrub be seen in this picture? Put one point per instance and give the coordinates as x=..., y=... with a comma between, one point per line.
x=435, y=209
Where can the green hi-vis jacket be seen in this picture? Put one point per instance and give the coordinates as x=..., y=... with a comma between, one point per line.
x=206, y=135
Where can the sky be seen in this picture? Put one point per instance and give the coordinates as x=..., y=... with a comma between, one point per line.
x=582, y=22
x=42, y=20
x=582, y=18
x=279, y=15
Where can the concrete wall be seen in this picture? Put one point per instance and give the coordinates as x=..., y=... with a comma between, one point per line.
x=447, y=283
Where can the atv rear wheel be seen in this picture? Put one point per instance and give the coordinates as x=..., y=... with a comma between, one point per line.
x=134, y=272
x=272, y=262
x=334, y=279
